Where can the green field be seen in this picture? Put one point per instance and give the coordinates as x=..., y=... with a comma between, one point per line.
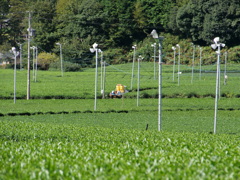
x=58, y=135
x=80, y=85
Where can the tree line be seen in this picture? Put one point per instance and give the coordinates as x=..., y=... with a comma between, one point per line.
x=115, y=24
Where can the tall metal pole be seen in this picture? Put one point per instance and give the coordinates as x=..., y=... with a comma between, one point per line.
x=200, y=64
x=36, y=64
x=155, y=36
x=174, y=61
x=28, y=66
x=96, y=78
x=217, y=46
x=178, y=64
x=160, y=87
x=219, y=77
x=104, y=78
x=160, y=84
x=15, y=69
x=154, y=60
x=134, y=56
x=61, y=59
x=217, y=91
x=193, y=58
x=225, y=69
x=20, y=52
x=15, y=76
x=138, y=87
x=101, y=63
x=33, y=66
x=96, y=50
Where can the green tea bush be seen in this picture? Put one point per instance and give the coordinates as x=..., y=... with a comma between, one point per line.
x=52, y=150
x=234, y=55
x=67, y=66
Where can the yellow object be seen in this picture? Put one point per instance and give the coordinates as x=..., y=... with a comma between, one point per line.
x=120, y=87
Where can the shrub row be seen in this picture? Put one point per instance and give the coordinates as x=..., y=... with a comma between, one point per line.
x=131, y=96
x=67, y=66
x=109, y=111
x=61, y=112
x=188, y=95
x=202, y=109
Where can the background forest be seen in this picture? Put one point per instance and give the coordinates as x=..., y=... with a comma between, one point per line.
x=116, y=25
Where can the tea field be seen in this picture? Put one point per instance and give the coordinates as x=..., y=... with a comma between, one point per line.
x=81, y=85
x=112, y=147
x=58, y=135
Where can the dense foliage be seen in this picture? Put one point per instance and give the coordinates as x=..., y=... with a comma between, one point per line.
x=63, y=147
x=201, y=20
x=115, y=24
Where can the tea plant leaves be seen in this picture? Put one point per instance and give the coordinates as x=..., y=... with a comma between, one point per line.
x=35, y=150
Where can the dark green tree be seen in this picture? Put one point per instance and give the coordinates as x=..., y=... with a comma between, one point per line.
x=202, y=20
x=16, y=16
x=152, y=13
x=119, y=26
x=43, y=13
x=4, y=9
x=79, y=25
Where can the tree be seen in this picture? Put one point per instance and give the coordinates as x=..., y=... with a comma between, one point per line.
x=118, y=24
x=42, y=21
x=79, y=24
x=152, y=13
x=203, y=20
x=4, y=9
x=16, y=16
